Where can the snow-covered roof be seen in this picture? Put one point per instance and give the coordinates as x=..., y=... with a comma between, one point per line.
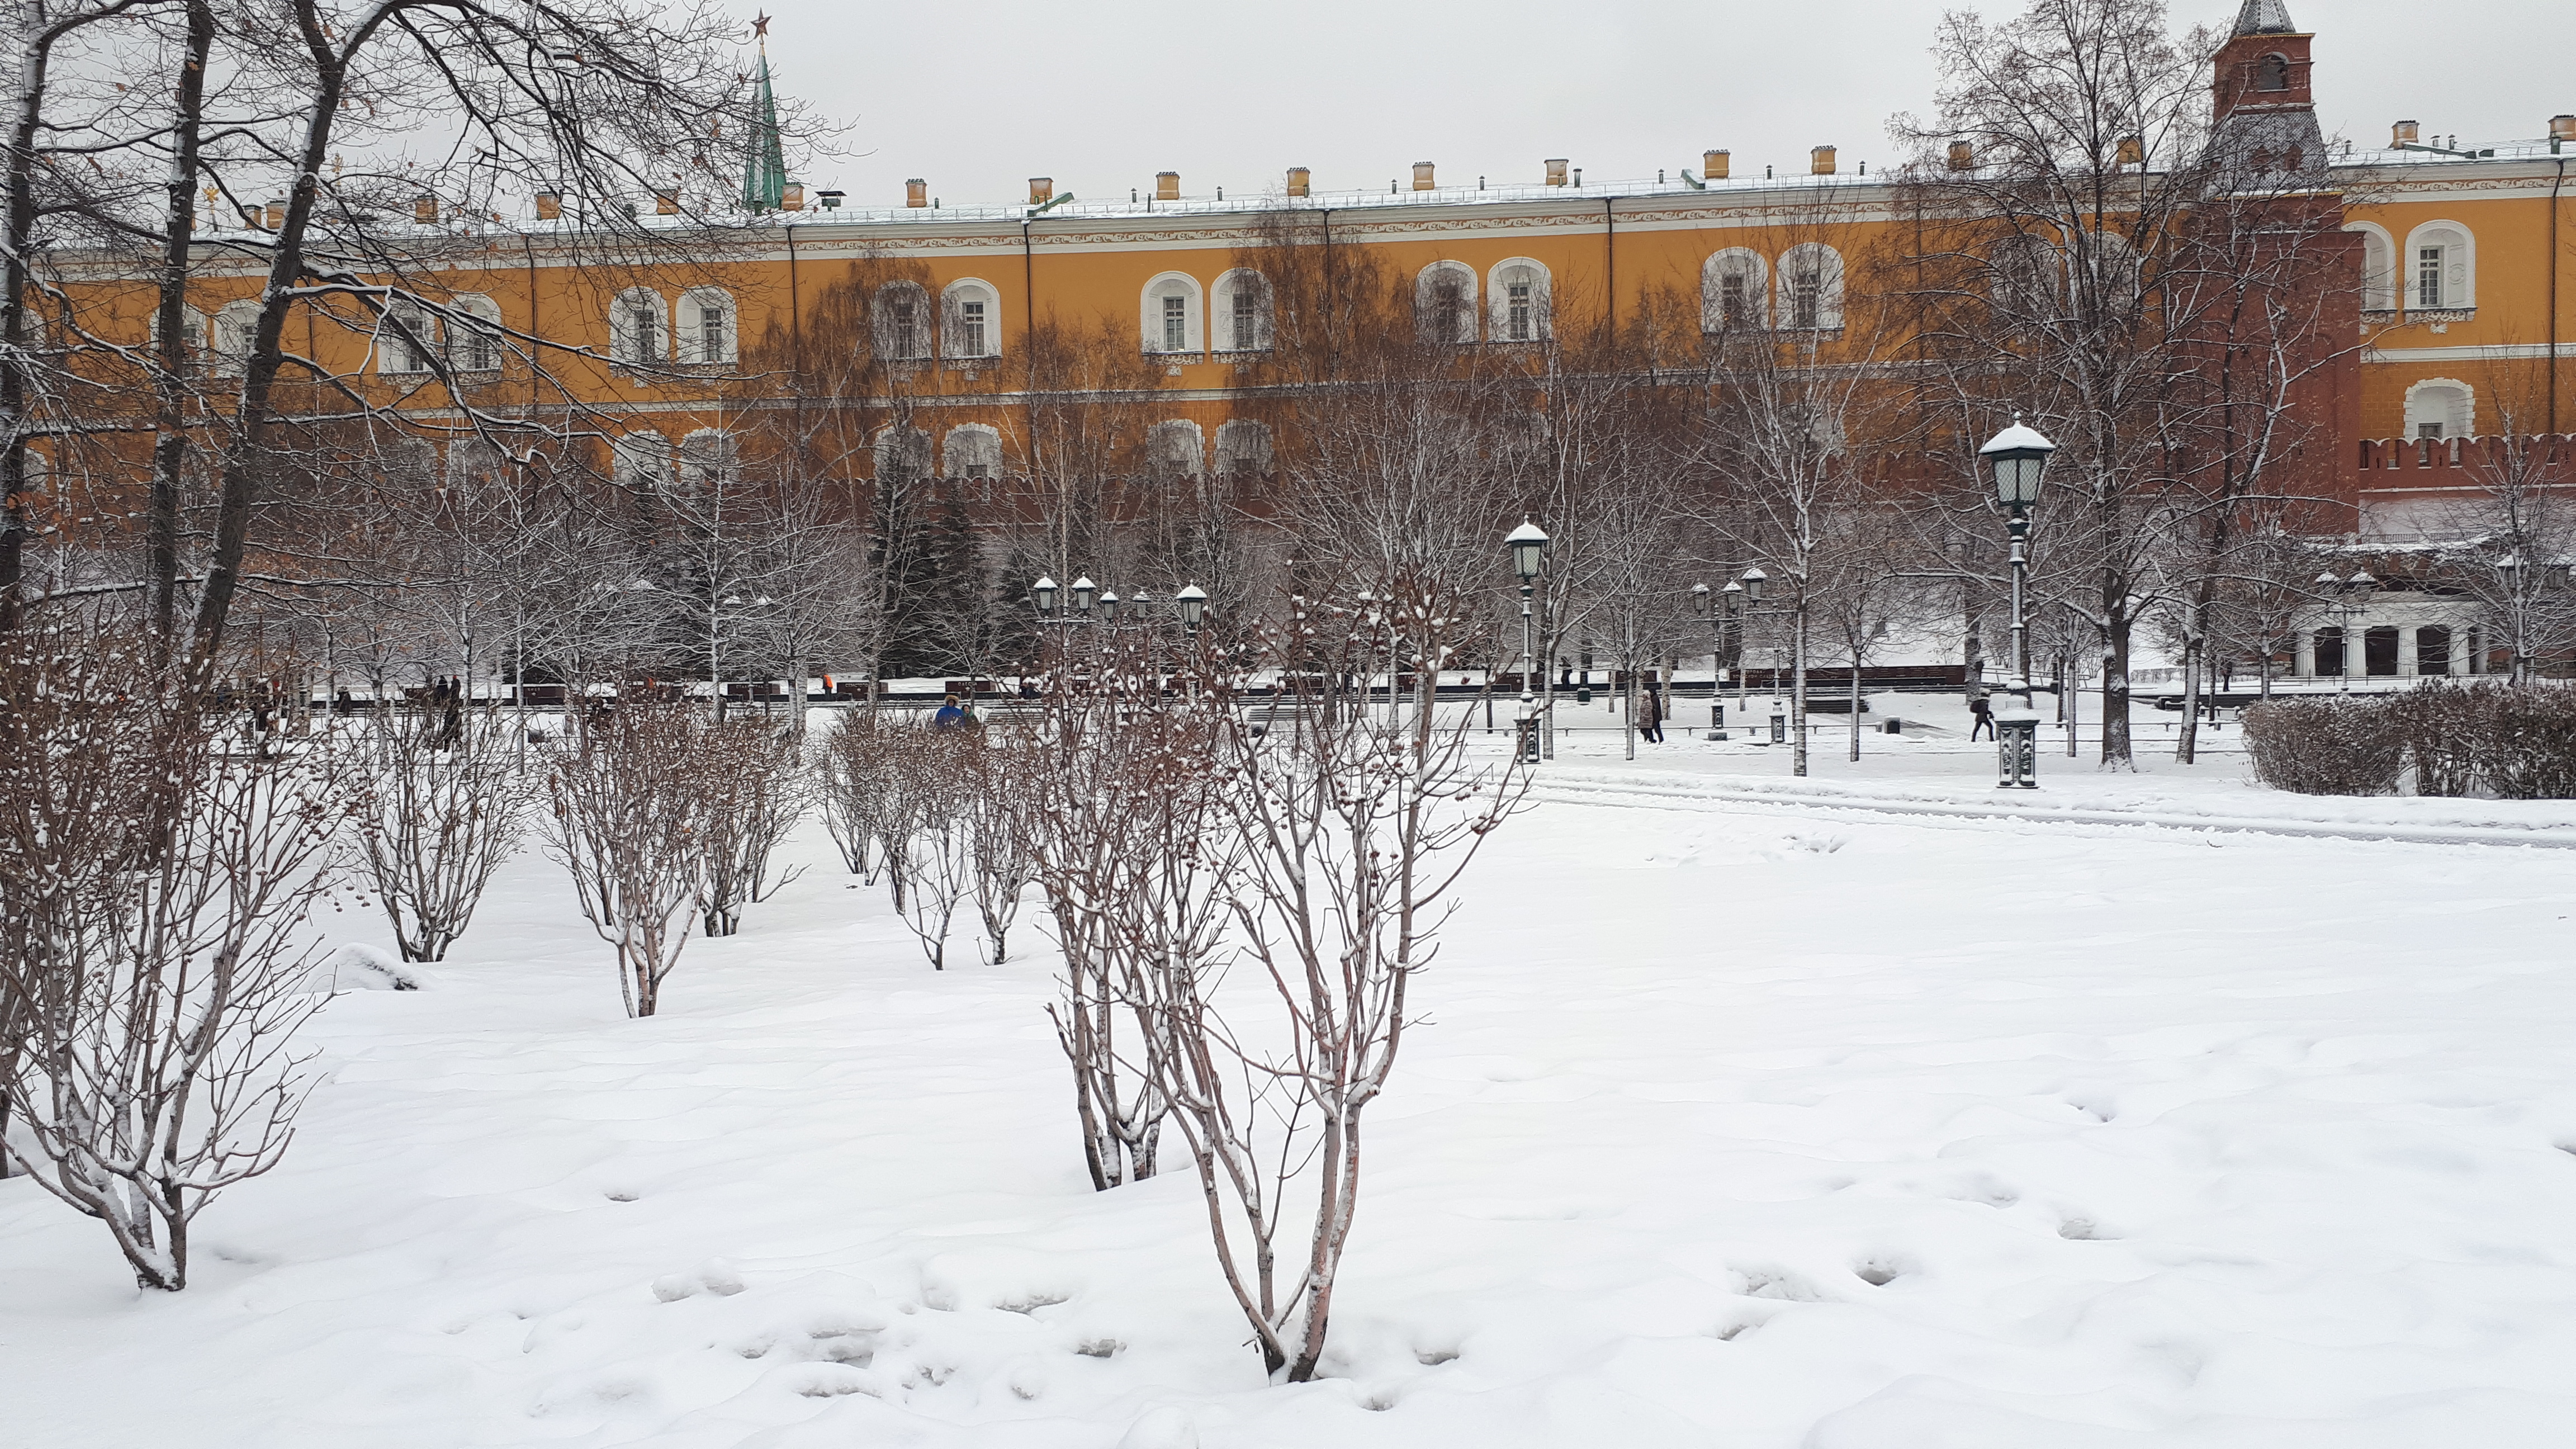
x=2265, y=17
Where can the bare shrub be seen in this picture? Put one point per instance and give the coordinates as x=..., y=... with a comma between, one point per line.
x=2343, y=746
x=2532, y=749
x=446, y=803
x=855, y=779
x=757, y=789
x=2448, y=731
x=629, y=819
x=155, y=880
x=929, y=847
x=1004, y=865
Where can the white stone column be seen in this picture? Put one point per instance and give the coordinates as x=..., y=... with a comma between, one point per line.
x=2303, y=653
x=2459, y=648
x=2407, y=639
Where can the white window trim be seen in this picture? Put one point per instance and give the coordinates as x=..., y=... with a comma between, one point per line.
x=2460, y=410
x=1498, y=279
x=887, y=443
x=1184, y=428
x=393, y=346
x=1233, y=427
x=483, y=309
x=1229, y=285
x=1743, y=262
x=242, y=313
x=1829, y=291
x=2379, y=295
x=2460, y=282
x=640, y=459
x=689, y=338
x=925, y=320
x=954, y=466
x=621, y=338
x=1469, y=304
x=1149, y=314
x=730, y=455
x=952, y=299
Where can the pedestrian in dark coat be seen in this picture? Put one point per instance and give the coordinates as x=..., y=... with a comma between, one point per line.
x=1985, y=717
x=1650, y=716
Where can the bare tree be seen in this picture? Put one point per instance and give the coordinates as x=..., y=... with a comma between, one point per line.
x=628, y=820
x=443, y=812
x=159, y=877
x=756, y=789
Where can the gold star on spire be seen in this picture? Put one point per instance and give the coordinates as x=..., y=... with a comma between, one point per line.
x=760, y=29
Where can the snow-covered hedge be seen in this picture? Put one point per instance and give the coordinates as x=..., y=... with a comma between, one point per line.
x=2341, y=746
x=2491, y=738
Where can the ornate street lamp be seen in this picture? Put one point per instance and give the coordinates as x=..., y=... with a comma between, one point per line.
x=1528, y=544
x=1193, y=602
x=2018, y=455
x=1044, y=592
x=1084, y=591
x=1109, y=606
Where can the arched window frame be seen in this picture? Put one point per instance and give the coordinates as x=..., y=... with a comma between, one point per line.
x=1155, y=318
x=1175, y=448
x=229, y=337
x=2459, y=267
x=2378, y=266
x=710, y=457
x=1241, y=296
x=710, y=327
x=639, y=328
x=471, y=460
x=640, y=461
x=1428, y=306
x=406, y=338
x=1753, y=276
x=901, y=454
x=967, y=334
x=474, y=334
x=1539, y=325
x=1244, y=449
x=1797, y=265
x=2446, y=401
x=410, y=461
x=899, y=318
x=968, y=447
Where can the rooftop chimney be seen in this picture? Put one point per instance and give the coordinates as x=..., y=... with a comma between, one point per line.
x=277, y=213
x=1820, y=162
x=424, y=208
x=2562, y=128
x=666, y=201
x=1556, y=171
x=2132, y=152
x=1712, y=165
x=2402, y=134
x=550, y=205
x=1299, y=179
x=1963, y=155
x=1041, y=190
x=1422, y=176
x=1167, y=186
x=916, y=192
x=791, y=197
x=831, y=199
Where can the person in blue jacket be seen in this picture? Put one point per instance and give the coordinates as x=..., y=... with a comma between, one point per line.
x=952, y=716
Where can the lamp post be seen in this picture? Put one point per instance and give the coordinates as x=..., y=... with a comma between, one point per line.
x=1707, y=603
x=2509, y=573
x=2018, y=456
x=1739, y=603
x=1528, y=544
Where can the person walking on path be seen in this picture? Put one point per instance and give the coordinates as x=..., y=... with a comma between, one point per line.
x=1985, y=717
x=1650, y=716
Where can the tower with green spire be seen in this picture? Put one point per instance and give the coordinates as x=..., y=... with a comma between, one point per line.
x=764, y=176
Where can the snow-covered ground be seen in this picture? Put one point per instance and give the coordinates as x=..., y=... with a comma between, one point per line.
x=1732, y=1123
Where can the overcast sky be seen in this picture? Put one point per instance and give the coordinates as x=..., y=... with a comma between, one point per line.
x=1101, y=96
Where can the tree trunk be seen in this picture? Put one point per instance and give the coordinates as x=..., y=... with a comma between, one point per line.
x=1798, y=689
x=2116, y=752
x=169, y=422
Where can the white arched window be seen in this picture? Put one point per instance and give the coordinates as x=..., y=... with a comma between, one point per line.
x=192, y=330
x=902, y=455
x=2441, y=407
x=1242, y=449
x=640, y=461
x=1242, y=311
x=1516, y=292
x=899, y=319
x=970, y=326
x=474, y=334
x=2439, y=268
x=1811, y=287
x=1734, y=291
x=973, y=450
x=235, y=325
x=2378, y=268
x=1172, y=319
x=639, y=328
x=411, y=462
x=710, y=458
x=473, y=460
x=1175, y=449
x=707, y=328
x=1444, y=303
x=405, y=337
